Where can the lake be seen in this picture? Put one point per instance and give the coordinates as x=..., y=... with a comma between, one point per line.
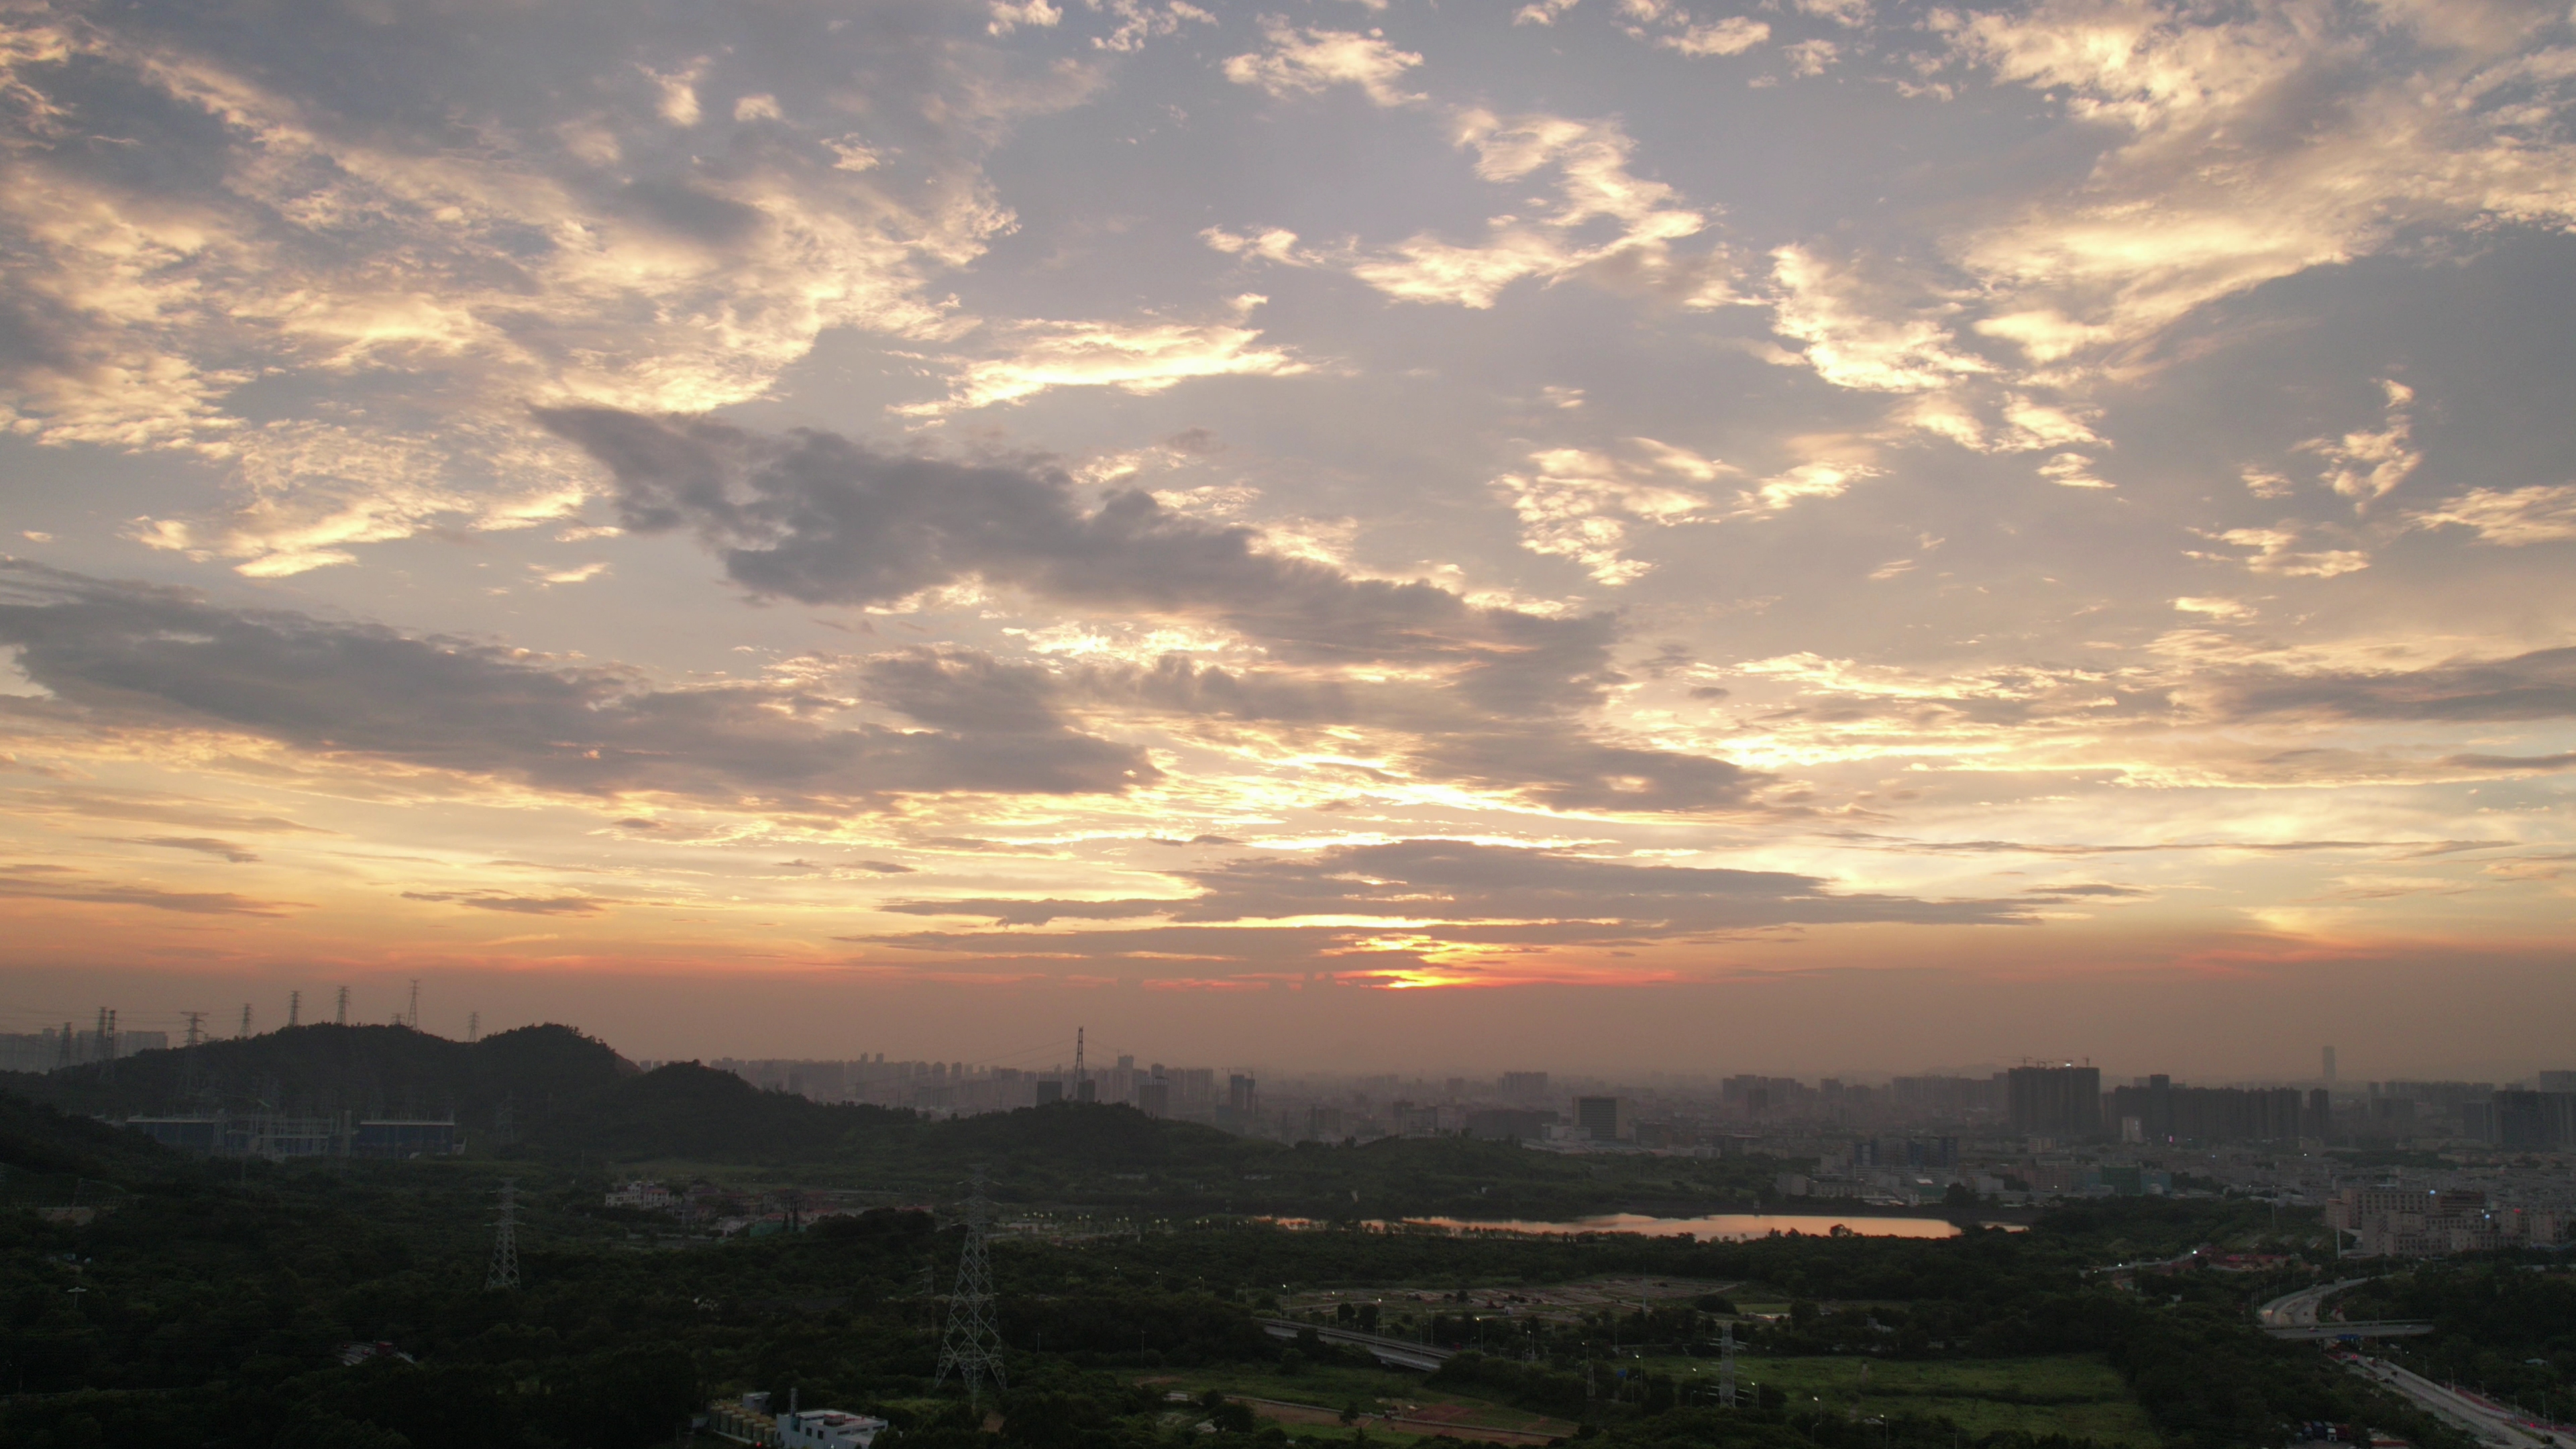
x=1734, y=1226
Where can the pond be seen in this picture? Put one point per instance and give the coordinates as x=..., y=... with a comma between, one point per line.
x=1714, y=1227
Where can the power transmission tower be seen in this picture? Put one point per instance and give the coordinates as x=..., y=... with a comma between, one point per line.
x=473, y=1026
x=1083, y=1091
x=1726, y=1368
x=196, y=1026
x=107, y=1043
x=245, y=1026
x=343, y=1018
x=413, y=1019
x=294, y=1008
x=973, y=1345
x=505, y=1240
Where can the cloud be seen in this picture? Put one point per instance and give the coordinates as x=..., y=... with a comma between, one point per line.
x=2537, y=685
x=56, y=883
x=2275, y=551
x=2248, y=145
x=1488, y=695
x=1732, y=35
x=1140, y=21
x=188, y=206
x=2509, y=518
x=187, y=811
x=1590, y=162
x=1856, y=326
x=1141, y=358
x=816, y=518
x=200, y=844
x=1450, y=883
x=1583, y=505
x=1007, y=16
x=1810, y=480
x=2363, y=464
x=1297, y=62
x=126, y=657
x=505, y=902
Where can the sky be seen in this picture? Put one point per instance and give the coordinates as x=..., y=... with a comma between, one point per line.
x=1607, y=535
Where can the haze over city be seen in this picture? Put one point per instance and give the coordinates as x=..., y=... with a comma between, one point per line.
x=1593, y=537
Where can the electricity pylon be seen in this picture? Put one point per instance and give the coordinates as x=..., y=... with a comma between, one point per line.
x=505, y=1240
x=343, y=1018
x=295, y=1008
x=973, y=1345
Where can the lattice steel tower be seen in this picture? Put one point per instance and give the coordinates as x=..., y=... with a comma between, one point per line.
x=973, y=1345
x=505, y=1239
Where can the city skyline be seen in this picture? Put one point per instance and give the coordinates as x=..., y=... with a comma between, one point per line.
x=1584, y=533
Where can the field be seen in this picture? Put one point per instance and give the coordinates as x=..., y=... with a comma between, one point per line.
x=2077, y=1395
x=1412, y=1408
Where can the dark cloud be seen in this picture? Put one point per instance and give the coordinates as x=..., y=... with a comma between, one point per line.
x=159, y=657
x=513, y=904
x=154, y=808
x=56, y=883
x=2514, y=764
x=2538, y=685
x=816, y=518
x=819, y=519
x=1909, y=845
x=202, y=845
x=1462, y=882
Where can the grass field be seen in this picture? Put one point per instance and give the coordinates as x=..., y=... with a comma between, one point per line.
x=1373, y=1390
x=2074, y=1394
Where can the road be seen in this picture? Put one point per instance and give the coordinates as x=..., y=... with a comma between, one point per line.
x=1401, y=1352
x=2301, y=1315
x=2491, y=1422
x=2301, y=1308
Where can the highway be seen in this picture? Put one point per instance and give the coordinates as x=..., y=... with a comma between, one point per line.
x=1400, y=1352
x=2301, y=1315
x=2491, y=1422
x=2293, y=1310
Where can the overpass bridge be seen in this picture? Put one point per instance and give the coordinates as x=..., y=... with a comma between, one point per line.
x=2381, y=1328
x=1395, y=1352
x=2301, y=1315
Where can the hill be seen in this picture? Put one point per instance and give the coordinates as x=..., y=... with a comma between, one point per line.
x=535, y=1072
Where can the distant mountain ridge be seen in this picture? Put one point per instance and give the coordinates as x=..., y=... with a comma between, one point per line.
x=369, y=1071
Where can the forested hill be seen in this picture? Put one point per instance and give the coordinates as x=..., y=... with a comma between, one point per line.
x=536, y=1071
x=572, y=1101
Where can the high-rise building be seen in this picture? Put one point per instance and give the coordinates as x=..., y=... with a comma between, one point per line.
x=1242, y=1093
x=2558, y=1081
x=1603, y=1119
x=2064, y=1101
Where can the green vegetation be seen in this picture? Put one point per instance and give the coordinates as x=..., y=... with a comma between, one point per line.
x=2077, y=1395
x=214, y=1303
x=2506, y=1324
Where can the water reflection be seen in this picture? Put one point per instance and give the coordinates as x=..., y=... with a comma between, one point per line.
x=1714, y=1227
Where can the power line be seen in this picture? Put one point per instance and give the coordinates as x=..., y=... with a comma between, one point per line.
x=973, y=1344
x=505, y=1240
